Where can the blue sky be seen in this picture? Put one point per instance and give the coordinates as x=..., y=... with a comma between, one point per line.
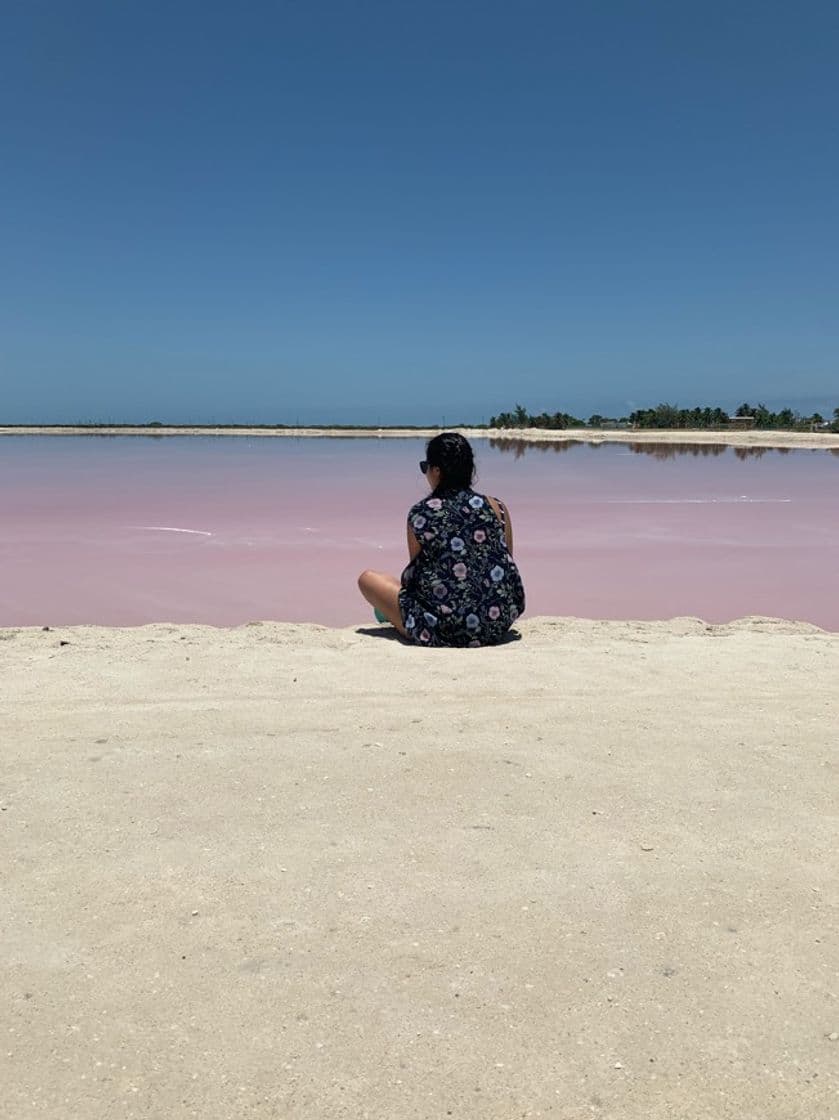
x=384, y=211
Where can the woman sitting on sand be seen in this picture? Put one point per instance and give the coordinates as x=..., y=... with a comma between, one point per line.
x=461, y=586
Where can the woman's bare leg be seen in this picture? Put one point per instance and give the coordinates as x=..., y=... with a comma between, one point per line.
x=382, y=592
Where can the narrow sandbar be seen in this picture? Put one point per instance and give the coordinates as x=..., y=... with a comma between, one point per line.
x=732, y=438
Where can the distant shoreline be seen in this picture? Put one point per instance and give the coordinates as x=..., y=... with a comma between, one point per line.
x=764, y=438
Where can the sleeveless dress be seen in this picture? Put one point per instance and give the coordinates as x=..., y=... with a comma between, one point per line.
x=463, y=589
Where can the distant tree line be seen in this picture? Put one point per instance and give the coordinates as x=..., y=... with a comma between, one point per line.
x=521, y=418
x=671, y=416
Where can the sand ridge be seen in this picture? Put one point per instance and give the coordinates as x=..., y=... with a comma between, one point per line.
x=286, y=871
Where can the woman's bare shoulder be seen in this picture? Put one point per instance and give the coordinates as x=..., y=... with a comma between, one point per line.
x=498, y=506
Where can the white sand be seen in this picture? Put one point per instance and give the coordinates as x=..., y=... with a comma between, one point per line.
x=284, y=871
x=811, y=440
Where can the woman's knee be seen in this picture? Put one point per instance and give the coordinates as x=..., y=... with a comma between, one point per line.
x=371, y=582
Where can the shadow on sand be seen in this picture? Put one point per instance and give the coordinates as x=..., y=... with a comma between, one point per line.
x=391, y=635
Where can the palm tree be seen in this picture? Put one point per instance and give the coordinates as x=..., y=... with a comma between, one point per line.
x=667, y=416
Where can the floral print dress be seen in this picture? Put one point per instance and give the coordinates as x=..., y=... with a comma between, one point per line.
x=463, y=589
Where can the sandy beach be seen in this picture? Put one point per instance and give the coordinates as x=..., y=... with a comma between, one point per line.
x=811, y=440
x=287, y=871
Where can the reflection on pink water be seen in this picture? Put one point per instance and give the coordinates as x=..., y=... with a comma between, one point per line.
x=125, y=530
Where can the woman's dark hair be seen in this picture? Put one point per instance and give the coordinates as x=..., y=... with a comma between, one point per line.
x=452, y=453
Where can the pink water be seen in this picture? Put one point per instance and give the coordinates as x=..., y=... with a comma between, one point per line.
x=121, y=531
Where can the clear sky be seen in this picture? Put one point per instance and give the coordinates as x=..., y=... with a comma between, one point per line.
x=381, y=211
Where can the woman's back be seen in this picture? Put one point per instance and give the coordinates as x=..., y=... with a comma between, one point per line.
x=463, y=587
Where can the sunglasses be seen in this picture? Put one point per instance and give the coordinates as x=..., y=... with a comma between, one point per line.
x=424, y=465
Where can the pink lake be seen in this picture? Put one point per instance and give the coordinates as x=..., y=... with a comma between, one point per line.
x=128, y=530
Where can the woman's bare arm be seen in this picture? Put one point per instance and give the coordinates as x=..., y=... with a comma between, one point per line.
x=506, y=521
x=508, y=530
x=414, y=546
